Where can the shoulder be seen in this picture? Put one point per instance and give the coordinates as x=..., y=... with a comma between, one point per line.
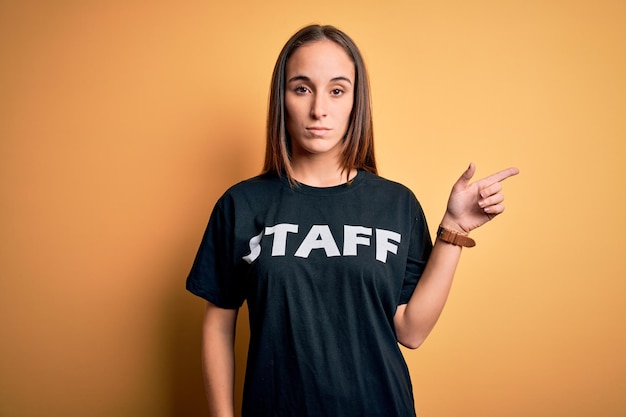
x=389, y=192
x=381, y=183
x=259, y=184
x=250, y=192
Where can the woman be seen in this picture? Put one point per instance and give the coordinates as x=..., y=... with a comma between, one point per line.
x=336, y=263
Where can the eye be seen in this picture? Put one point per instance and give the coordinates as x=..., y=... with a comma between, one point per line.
x=336, y=91
x=301, y=89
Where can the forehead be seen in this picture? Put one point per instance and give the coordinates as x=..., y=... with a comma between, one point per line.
x=323, y=58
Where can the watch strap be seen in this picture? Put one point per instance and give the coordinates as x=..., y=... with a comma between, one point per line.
x=454, y=238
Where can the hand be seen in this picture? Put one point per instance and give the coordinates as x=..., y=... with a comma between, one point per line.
x=472, y=205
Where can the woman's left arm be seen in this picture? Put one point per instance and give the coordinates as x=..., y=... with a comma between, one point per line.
x=470, y=206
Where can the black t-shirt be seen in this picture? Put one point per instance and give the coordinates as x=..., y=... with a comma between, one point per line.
x=323, y=271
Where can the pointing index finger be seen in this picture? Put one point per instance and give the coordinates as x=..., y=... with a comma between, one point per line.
x=500, y=176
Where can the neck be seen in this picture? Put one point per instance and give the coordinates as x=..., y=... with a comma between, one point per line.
x=321, y=173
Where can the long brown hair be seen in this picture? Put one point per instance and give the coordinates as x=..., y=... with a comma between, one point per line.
x=358, y=145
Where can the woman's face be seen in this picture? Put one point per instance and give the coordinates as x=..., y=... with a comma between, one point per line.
x=319, y=95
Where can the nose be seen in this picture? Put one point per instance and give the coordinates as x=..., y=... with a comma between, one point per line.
x=319, y=108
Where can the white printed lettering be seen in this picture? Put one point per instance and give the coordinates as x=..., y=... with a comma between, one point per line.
x=353, y=236
x=255, y=248
x=383, y=244
x=319, y=237
x=280, y=236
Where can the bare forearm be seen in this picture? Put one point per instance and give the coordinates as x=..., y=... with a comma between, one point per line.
x=219, y=360
x=415, y=320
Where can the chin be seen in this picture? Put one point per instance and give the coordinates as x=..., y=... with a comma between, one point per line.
x=321, y=150
x=318, y=146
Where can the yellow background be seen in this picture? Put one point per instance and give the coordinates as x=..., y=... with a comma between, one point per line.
x=121, y=123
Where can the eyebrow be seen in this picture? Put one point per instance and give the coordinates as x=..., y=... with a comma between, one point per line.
x=305, y=78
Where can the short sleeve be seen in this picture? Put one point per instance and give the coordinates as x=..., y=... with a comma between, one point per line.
x=214, y=275
x=420, y=247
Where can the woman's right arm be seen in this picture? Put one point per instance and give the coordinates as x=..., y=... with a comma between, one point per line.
x=218, y=356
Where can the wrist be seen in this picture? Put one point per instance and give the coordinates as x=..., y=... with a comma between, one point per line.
x=449, y=223
x=455, y=238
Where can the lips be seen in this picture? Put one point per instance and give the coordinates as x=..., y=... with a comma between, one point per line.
x=318, y=130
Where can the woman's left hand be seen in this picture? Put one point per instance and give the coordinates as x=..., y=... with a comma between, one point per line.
x=472, y=205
